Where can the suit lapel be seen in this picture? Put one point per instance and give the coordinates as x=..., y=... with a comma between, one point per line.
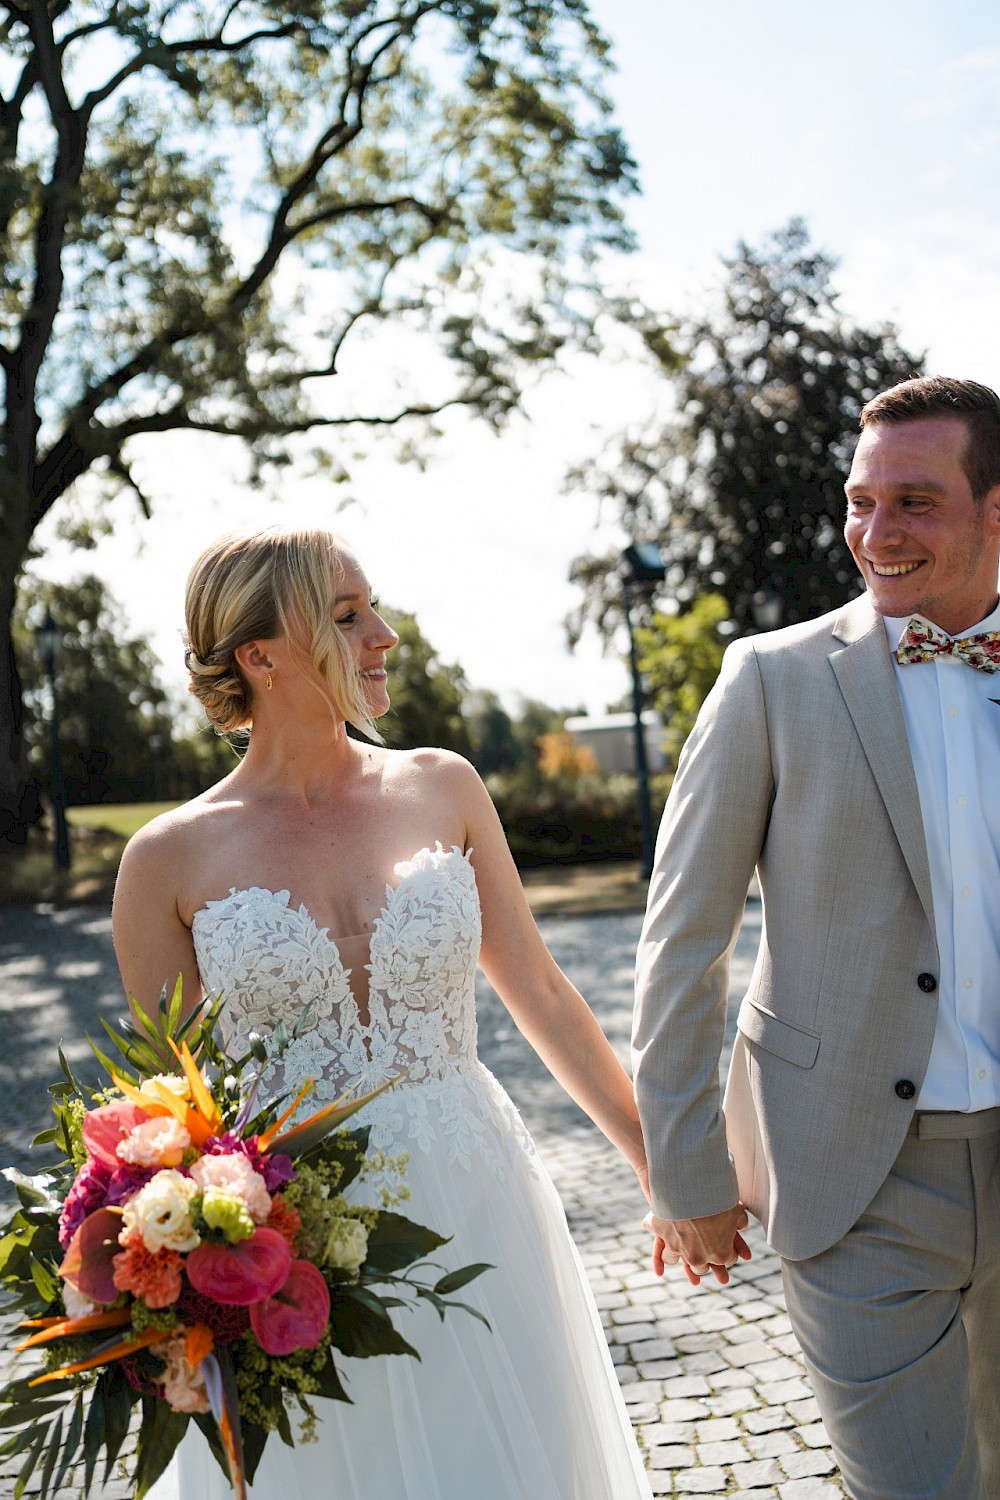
x=864, y=671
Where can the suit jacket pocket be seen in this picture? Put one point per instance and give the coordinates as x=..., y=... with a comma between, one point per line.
x=791, y=1043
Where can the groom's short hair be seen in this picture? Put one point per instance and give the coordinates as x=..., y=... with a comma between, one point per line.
x=942, y=396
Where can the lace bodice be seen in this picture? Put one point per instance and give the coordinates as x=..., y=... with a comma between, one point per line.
x=270, y=960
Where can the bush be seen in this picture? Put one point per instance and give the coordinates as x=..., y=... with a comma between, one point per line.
x=571, y=819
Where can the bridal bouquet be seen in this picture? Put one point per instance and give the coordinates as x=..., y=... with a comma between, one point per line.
x=194, y=1256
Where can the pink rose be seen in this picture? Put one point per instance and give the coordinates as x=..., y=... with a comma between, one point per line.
x=243, y=1273
x=295, y=1317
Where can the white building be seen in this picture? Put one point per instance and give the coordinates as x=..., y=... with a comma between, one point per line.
x=611, y=738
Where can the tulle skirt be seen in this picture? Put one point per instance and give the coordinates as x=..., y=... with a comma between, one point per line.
x=529, y=1409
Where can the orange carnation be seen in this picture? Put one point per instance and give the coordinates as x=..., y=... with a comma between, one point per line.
x=286, y=1220
x=154, y=1278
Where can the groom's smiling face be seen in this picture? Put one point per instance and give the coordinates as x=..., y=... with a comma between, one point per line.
x=923, y=544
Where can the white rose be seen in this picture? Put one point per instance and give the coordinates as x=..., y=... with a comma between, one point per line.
x=346, y=1245
x=161, y=1213
x=175, y=1082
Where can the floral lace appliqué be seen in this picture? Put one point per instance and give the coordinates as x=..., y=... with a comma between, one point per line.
x=271, y=960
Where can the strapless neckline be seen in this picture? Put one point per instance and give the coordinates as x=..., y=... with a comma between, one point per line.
x=405, y=870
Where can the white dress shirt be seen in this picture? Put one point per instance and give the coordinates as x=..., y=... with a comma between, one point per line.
x=953, y=725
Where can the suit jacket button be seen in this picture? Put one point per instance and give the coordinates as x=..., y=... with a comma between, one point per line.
x=905, y=1089
x=927, y=983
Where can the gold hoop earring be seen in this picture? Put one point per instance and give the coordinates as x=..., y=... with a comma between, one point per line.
x=270, y=684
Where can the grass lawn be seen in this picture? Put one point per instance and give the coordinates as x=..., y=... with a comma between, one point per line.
x=121, y=818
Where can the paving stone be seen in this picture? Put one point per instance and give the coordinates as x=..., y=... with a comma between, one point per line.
x=815, y=1435
x=722, y=1453
x=799, y=1465
x=704, y=1481
x=809, y=1489
x=772, y=1445
x=671, y=1457
x=759, y=1471
x=767, y=1419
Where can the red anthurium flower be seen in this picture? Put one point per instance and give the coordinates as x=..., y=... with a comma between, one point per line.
x=296, y=1316
x=248, y=1272
x=89, y=1260
x=103, y=1128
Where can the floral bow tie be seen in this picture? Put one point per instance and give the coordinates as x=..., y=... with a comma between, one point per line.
x=922, y=641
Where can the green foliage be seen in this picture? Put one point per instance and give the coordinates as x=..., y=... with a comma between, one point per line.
x=427, y=695
x=204, y=209
x=743, y=487
x=568, y=820
x=120, y=738
x=679, y=657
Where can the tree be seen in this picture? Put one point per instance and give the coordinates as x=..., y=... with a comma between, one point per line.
x=205, y=204
x=679, y=657
x=495, y=743
x=427, y=696
x=114, y=718
x=743, y=487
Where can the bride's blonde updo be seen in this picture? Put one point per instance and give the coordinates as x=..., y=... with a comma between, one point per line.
x=252, y=586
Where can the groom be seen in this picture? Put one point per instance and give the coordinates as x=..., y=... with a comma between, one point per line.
x=854, y=761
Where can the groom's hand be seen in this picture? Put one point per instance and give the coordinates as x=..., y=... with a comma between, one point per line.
x=701, y=1245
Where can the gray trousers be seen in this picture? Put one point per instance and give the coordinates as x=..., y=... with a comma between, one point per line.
x=899, y=1322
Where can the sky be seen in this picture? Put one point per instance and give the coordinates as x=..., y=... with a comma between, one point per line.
x=879, y=123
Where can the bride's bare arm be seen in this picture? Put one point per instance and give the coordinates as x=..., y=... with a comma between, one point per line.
x=547, y=1009
x=152, y=943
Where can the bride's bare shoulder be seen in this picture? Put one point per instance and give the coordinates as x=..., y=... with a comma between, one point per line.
x=176, y=837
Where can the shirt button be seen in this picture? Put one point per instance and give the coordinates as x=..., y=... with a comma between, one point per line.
x=905, y=1089
x=927, y=983
x=967, y=984
x=981, y=1074
x=966, y=892
x=961, y=801
x=953, y=712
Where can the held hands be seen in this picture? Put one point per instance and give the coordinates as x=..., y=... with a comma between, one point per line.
x=713, y=1243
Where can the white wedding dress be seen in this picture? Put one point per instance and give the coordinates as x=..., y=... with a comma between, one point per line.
x=527, y=1410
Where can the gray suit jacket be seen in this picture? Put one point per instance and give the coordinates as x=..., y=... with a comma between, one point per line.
x=799, y=766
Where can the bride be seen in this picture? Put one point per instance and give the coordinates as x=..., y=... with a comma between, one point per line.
x=369, y=882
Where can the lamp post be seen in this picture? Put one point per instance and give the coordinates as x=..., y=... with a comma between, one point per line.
x=48, y=638
x=642, y=569
x=766, y=607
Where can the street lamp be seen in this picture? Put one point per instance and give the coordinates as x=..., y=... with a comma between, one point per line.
x=767, y=608
x=48, y=639
x=642, y=569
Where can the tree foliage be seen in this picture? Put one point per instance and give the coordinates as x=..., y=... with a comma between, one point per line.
x=115, y=722
x=427, y=695
x=679, y=657
x=204, y=204
x=743, y=486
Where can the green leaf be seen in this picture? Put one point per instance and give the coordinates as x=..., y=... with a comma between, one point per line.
x=396, y=1242
x=93, y=1439
x=330, y=1384
x=47, y=1284
x=118, y=1398
x=72, y=1443
x=161, y=1430
x=28, y=1467
x=54, y=1445
x=455, y=1280
x=359, y=1331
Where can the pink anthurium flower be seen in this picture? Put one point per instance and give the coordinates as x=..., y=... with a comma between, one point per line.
x=295, y=1317
x=89, y=1260
x=103, y=1129
x=244, y=1273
